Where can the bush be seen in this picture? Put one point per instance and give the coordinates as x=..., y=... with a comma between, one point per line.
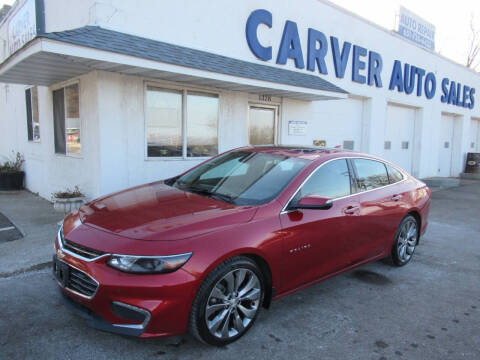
x=68, y=193
x=13, y=166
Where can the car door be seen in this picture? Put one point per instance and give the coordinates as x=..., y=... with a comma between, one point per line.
x=380, y=209
x=316, y=241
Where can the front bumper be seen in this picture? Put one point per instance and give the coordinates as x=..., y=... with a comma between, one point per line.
x=129, y=304
x=96, y=321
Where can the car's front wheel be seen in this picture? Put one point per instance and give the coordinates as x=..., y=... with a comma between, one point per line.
x=228, y=302
x=405, y=242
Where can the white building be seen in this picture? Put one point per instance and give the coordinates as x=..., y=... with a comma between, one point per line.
x=107, y=95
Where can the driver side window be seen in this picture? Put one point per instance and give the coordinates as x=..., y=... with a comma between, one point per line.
x=331, y=180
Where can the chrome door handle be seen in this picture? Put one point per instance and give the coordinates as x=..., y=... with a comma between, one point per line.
x=396, y=197
x=351, y=210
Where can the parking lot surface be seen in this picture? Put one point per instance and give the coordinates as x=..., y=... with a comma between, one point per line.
x=429, y=309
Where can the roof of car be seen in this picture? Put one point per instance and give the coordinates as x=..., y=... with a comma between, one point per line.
x=304, y=152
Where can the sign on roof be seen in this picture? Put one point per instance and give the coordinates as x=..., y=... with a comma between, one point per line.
x=22, y=27
x=416, y=29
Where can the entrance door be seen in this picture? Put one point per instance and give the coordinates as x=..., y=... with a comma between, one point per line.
x=399, y=136
x=445, y=147
x=262, y=125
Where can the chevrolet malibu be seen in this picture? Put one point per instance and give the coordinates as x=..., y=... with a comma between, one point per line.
x=206, y=250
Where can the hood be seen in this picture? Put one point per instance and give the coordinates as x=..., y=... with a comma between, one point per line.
x=160, y=212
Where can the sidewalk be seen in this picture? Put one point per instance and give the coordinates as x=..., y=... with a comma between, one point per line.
x=436, y=184
x=37, y=220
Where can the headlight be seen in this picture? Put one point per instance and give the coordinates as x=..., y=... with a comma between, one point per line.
x=148, y=264
x=60, y=234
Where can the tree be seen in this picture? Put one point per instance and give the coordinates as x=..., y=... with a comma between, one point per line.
x=474, y=46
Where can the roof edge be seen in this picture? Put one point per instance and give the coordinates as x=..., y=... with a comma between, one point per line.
x=95, y=37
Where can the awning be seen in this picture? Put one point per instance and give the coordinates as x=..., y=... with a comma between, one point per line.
x=54, y=57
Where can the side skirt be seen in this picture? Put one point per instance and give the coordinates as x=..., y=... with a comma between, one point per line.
x=303, y=286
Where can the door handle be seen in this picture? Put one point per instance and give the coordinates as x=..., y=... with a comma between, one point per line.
x=396, y=197
x=352, y=209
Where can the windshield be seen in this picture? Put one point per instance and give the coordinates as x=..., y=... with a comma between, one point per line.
x=241, y=177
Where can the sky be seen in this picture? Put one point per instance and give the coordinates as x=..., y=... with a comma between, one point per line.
x=451, y=19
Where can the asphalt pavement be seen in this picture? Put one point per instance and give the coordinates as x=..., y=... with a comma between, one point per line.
x=37, y=222
x=429, y=309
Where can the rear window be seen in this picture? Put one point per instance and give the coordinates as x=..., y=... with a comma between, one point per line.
x=371, y=174
x=394, y=175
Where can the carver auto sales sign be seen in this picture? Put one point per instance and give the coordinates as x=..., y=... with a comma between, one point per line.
x=366, y=64
x=22, y=26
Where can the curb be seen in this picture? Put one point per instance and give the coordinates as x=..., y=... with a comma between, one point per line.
x=33, y=268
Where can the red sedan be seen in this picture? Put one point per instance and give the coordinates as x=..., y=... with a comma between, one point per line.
x=204, y=251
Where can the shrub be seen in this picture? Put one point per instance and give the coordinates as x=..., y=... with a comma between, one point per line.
x=12, y=166
x=68, y=193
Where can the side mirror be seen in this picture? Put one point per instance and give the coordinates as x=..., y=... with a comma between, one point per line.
x=313, y=202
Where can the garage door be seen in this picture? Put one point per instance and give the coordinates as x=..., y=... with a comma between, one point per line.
x=399, y=135
x=475, y=136
x=445, y=147
x=340, y=123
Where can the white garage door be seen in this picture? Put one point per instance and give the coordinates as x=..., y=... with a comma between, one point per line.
x=339, y=123
x=445, y=147
x=399, y=135
x=475, y=136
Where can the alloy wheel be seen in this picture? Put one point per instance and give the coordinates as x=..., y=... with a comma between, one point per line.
x=233, y=303
x=407, y=240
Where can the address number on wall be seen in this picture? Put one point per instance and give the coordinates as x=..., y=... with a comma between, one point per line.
x=265, y=97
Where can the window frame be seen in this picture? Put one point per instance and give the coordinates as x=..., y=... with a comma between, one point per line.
x=353, y=184
x=354, y=167
x=33, y=140
x=286, y=209
x=184, y=90
x=388, y=174
x=63, y=85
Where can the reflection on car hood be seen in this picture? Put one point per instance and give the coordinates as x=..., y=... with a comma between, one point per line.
x=159, y=212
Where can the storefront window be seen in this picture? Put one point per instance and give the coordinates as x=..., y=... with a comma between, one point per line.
x=166, y=121
x=66, y=118
x=72, y=120
x=202, y=134
x=33, y=122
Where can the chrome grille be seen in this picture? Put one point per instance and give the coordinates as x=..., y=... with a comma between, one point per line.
x=81, y=250
x=81, y=283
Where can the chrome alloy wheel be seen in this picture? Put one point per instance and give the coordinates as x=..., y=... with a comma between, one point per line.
x=407, y=240
x=233, y=303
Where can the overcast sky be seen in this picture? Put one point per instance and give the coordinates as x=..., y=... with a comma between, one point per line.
x=451, y=19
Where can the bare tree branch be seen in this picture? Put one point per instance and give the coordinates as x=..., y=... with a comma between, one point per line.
x=474, y=46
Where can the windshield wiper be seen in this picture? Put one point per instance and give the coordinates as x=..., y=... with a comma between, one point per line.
x=223, y=197
x=213, y=195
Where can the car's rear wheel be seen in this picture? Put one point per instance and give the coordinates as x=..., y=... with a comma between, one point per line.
x=405, y=241
x=228, y=302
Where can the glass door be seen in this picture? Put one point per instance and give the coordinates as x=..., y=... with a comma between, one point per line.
x=262, y=124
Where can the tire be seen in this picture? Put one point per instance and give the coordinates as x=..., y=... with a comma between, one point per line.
x=228, y=302
x=406, y=240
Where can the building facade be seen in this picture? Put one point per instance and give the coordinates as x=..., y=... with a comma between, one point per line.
x=107, y=95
